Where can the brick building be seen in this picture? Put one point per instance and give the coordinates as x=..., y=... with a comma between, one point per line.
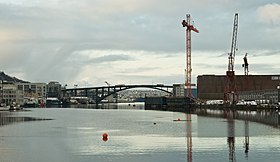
x=211, y=87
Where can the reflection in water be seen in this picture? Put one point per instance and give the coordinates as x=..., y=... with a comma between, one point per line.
x=231, y=134
x=246, y=143
x=129, y=105
x=267, y=117
x=271, y=118
x=189, y=137
x=135, y=136
x=9, y=118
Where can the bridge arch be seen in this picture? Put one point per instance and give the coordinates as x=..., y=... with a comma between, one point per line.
x=126, y=88
x=107, y=91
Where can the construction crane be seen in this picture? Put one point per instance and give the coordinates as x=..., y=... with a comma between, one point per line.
x=230, y=96
x=189, y=27
x=246, y=72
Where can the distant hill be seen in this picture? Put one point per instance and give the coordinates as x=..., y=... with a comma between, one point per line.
x=8, y=78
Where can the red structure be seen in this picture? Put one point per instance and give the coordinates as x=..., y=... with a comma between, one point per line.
x=189, y=137
x=230, y=96
x=189, y=27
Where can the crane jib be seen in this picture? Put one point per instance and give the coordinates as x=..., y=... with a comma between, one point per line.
x=233, y=44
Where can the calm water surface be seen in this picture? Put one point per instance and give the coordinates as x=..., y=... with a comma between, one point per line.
x=133, y=136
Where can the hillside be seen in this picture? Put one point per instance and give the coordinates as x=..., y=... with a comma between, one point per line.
x=5, y=77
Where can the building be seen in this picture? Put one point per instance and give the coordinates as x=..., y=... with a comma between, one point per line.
x=8, y=93
x=179, y=90
x=14, y=93
x=261, y=96
x=54, y=89
x=211, y=87
x=14, y=90
x=28, y=90
x=169, y=103
x=8, y=90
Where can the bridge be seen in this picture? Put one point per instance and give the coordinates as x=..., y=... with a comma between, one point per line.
x=100, y=93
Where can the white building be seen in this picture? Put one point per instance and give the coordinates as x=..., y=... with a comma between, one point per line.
x=179, y=90
x=28, y=90
x=8, y=93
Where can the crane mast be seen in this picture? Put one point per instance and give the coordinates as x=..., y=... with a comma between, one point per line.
x=189, y=27
x=245, y=65
x=230, y=96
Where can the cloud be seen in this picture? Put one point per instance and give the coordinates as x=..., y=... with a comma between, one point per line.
x=270, y=13
x=263, y=68
x=110, y=58
x=95, y=40
x=148, y=79
x=266, y=53
x=133, y=70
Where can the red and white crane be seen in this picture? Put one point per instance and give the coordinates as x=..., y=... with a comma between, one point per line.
x=189, y=27
x=230, y=96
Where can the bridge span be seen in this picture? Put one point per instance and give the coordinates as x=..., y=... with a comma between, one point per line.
x=100, y=93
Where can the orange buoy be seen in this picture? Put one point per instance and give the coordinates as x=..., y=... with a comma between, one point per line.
x=105, y=137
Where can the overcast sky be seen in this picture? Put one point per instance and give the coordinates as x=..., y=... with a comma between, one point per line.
x=88, y=42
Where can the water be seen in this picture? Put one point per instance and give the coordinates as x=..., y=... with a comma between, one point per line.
x=134, y=135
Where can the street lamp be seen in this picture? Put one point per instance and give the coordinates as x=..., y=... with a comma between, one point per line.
x=64, y=90
x=2, y=95
x=75, y=86
x=278, y=93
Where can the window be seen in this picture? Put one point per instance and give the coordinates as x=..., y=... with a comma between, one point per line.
x=26, y=88
x=20, y=87
x=275, y=78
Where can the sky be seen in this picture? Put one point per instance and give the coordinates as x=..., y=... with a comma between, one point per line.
x=88, y=42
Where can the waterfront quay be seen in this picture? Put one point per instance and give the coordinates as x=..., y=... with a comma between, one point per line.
x=264, y=90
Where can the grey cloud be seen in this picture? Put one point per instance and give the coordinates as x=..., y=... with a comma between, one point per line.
x=134, y=31
x=269, y=53
x=262, y=68
x=210, y=66
x=53, y=32
x=110, y=58
x=147, y=79
x=138, y=70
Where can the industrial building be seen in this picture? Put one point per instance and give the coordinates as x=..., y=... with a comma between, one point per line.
x=251, y=87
